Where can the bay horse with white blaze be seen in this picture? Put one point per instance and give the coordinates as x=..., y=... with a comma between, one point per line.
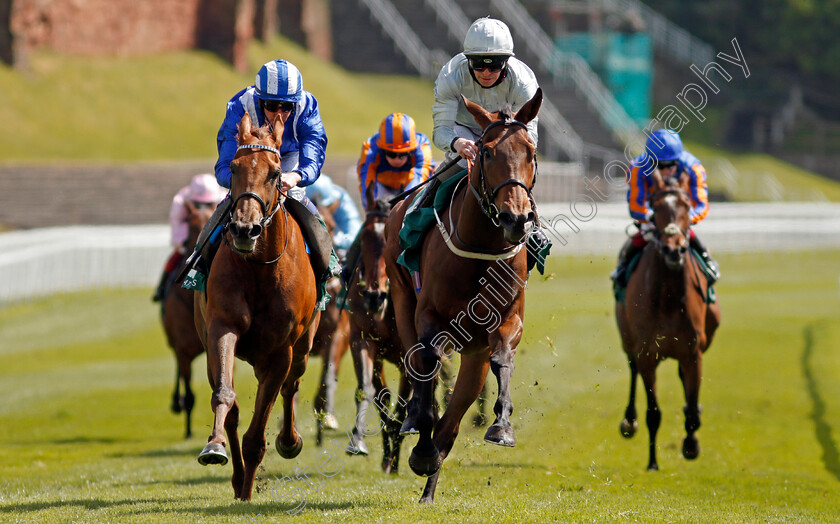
x=666, y=314
x=488, y=221
x=179, y=324
x=259, y=306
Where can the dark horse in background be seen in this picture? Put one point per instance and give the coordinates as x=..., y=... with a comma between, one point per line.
x=487, y=223
x=666, y=314
x=374, y=339
x=332, y=340
x=259, y=306
x=179, y=325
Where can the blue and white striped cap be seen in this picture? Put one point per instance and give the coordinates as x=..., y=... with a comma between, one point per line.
x=279, y=80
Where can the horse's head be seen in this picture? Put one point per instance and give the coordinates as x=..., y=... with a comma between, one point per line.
x=374, y=281
x=198, y=213
x=506, y=168
x=255, y=179
x=671, y=205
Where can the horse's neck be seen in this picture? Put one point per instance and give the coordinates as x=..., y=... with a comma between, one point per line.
x=474, y=227
x=674, y=284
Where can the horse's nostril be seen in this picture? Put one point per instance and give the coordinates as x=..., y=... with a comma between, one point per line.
x=255, y=231
x=506, y=219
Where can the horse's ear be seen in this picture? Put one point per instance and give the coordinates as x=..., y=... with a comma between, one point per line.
x=481, y=115
x=244, y=127
x=685, y=182
x=191, y=209
x=531, y=108
x=370, y=200
x=278, y=125
x=658, y=183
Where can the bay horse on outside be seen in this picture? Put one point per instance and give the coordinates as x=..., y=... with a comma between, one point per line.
x=179, y=325
x=666, y=314
x=472, y=278
x=259, y=306
x=332, y=340
x=374, y=339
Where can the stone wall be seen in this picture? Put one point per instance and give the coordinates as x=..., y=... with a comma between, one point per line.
x=129, y=27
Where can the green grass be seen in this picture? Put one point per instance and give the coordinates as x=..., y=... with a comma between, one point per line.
x=170, y=106
x=87, y=435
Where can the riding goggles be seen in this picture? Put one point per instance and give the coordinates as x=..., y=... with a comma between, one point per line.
x=276, y=105
x=665, y=164
x=391, y=154
x=493, y=63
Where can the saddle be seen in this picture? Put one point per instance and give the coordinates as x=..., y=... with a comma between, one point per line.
x=620, y=287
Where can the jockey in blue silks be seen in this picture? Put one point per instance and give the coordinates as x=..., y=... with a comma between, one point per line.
x=346, y=215
x=664, y=151
x=278, y=88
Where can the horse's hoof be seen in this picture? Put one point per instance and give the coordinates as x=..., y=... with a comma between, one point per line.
x=479, y=421
x=289, y=452
x=653, y=466
x=501, y=435
x=424, y=466
x=409, y=427
x=627, y=429
x=691, y=448
x=357, y=448
x=329, y=421
x=213, y=453
x=175, y=407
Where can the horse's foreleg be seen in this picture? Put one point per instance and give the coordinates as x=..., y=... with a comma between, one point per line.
x=480, y=418
x=630, y=423
x=396, y=424
x=177, y=404
x=185, y=365
x=423, y=365
x=288, y=441
x=690, y=372
x=220, y=356
x=501, y=431
x=363, y=365
x=654, y=416
x=270, y=379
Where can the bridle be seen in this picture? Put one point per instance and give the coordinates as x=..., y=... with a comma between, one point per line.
x=267, y=217
x=672, y=228
x=485, y=195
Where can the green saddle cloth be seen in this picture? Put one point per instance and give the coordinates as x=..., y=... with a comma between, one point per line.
x=620, y=288
x=418, y=220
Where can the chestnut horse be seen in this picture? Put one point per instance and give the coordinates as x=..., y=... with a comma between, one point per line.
x=259, y=306
x=179, y=326
x=471, y=279
x=374, y=339
x=666, y=314
x=332, y=340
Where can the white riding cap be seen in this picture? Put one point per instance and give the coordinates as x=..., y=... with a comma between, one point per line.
x=488, y=36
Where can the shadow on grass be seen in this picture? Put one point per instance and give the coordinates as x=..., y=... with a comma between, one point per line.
x=83, y=503
x=159, y=453
x=831, y=457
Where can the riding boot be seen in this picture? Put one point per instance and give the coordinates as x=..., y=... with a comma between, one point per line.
x=628, y=251
x=714, y=269
x=165, y=283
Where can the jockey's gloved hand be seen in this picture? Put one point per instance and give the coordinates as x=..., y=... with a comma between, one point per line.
x=289, y=180
x=648, y=230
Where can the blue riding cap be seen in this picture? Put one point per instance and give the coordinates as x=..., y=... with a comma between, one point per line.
x=664, y=145
x=279, y=80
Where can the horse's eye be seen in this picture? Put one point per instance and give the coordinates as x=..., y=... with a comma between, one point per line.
x=275, y=174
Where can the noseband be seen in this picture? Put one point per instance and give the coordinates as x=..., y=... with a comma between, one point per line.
x=485, y=195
